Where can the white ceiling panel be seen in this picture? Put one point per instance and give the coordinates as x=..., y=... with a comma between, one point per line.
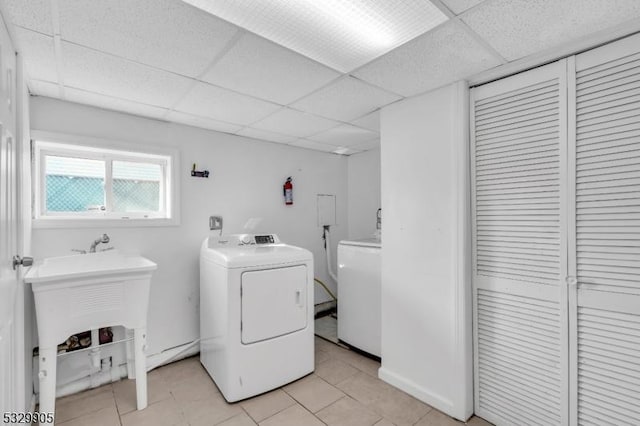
x=267, y=136
x=44, y=88
x=39, y=55
x=107, y=102
x=345, y=100
x=340, y=34
x=263, y=69
x=366, y=146
x=344, y=135
x=214, y=102
x=202, y=122
x=167, y=34
x=444, y=55
x=346, y=150
x=369, y=121
x=316, y=146
x=459, y=6
x=33, y=14
x=101, y=73
x=295, y=123
x=517, y=28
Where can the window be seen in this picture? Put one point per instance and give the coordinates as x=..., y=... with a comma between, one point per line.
x=88, y=183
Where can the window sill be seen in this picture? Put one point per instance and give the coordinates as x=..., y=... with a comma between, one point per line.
x=86, y=222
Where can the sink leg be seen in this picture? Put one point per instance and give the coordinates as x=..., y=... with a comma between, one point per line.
x=47, y=375
x=140, y=343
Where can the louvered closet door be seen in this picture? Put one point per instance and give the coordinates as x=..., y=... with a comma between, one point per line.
x=520, y=300
x=605, y=233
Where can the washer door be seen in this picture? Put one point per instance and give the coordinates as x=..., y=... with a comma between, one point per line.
x=274, y=302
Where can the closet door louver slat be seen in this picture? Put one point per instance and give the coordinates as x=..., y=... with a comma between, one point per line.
x=606, y=323
x=520, y=332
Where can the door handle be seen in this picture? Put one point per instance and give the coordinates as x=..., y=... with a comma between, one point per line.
x=24, y=261
x=571, y=281
x=299, y=297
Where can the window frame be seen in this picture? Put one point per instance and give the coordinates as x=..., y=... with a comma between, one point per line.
x=53, y=144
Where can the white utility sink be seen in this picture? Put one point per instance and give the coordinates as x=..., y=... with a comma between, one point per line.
x=87, y=292
x=79, y=266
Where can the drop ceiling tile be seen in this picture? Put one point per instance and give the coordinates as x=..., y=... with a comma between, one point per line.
x=107, y=102
x=203, y=122
x=44, y=88
x=214, y=102
x=342, y=150
x=517, y=28
x=344, y=135
x=167, y=34
x=263, y=69
x=105, y=74
x=33, y=14
x=267, y=136
x=345, y=99
x=369, y=121
x=442, y=56
x=337, y=33
x=366, y=146
x=459, y=6
x=39, y=55
x=316, y=146
x=295, y=123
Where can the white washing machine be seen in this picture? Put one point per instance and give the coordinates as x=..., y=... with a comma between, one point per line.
x=359, y=287
x=256, y=313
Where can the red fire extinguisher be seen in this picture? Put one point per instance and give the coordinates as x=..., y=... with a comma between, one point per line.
x=287, y=189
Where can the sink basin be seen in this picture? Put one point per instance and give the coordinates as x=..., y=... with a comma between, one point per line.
x=86, y=292
x=78, y=266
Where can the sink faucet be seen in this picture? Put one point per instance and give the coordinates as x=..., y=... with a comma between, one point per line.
x=104, y=240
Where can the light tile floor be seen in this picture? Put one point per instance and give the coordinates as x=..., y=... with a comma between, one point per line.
x=327, y=328
x=343, y=390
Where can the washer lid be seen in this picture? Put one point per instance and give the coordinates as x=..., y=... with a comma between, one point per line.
x=365, y=242
x=253, y=255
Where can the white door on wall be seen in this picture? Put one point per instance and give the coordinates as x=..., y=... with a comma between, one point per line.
x=8, y=277
x=519, y=248
x=11, y=333
x=604, y=232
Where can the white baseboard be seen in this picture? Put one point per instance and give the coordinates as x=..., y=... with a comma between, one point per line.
x=420, y=392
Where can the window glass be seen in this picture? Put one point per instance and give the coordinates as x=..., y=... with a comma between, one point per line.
x=90, y=183
x=136, y=186
x=74, y=184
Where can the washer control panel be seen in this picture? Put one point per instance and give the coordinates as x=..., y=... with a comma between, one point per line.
x=264, y=239
x=243, y=240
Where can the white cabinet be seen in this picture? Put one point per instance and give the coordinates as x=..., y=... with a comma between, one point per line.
x=604, y=234
x=520, y=302
x=556, y=241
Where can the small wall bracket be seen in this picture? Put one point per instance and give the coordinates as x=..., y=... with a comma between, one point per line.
x=199, y=173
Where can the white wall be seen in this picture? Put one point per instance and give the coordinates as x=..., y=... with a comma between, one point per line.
x=363, y=183
x=426, y=310
x=246, y=182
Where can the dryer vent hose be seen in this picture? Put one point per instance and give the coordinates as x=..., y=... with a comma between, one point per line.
x=329, y=292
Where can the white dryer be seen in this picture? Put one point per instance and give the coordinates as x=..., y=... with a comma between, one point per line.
x=256, y=313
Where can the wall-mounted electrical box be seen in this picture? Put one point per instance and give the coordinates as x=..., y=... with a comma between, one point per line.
x=326, y=209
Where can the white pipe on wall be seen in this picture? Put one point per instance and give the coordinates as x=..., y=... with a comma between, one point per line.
x=327, y=236
x=110, y=375
x=115, y=373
